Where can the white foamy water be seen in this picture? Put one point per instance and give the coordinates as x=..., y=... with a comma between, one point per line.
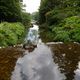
x=37, y=65
x=33, y=35
x=77, y=72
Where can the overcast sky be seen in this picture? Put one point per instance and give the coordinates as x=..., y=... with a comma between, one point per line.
x=31, y=5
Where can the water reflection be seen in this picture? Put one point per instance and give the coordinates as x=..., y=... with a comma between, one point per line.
x=37, y=65
x=67, y=56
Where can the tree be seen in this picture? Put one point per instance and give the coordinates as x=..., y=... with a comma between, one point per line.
x=46, y=6
x=26, y=19
x=53, y=12
x=35, y=16
x=10, y=10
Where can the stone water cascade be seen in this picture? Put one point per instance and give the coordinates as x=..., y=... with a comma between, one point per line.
x=37, y=65
x=33, y=35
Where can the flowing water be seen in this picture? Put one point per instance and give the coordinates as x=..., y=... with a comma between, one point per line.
x=37, y=65
x=33, y=35
x=49, y=62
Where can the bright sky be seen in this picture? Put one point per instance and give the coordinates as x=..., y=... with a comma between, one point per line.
x=32, y=5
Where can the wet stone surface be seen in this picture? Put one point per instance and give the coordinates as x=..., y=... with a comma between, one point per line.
x=8, y=58
x=61, y=63
x=67, y=56
x=37, y=65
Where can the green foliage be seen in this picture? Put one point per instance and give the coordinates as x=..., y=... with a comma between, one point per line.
x=57, y=15
x=46, y=6
x=62, y=19
x=35, y=16
x=10, y=33
x=26, y=19
x=10, y=10
x=68, y=31
x=75, y=34
x=54, y=11
x=71, y=22
x=62, y=36
x=53, y=17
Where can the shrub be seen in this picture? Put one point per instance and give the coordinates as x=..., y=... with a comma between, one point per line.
x=26, y=19
x=62, y=36
x=68, y=30
x=10, y=33
x=71, y=22
x=56, y=15
x=75, y=34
